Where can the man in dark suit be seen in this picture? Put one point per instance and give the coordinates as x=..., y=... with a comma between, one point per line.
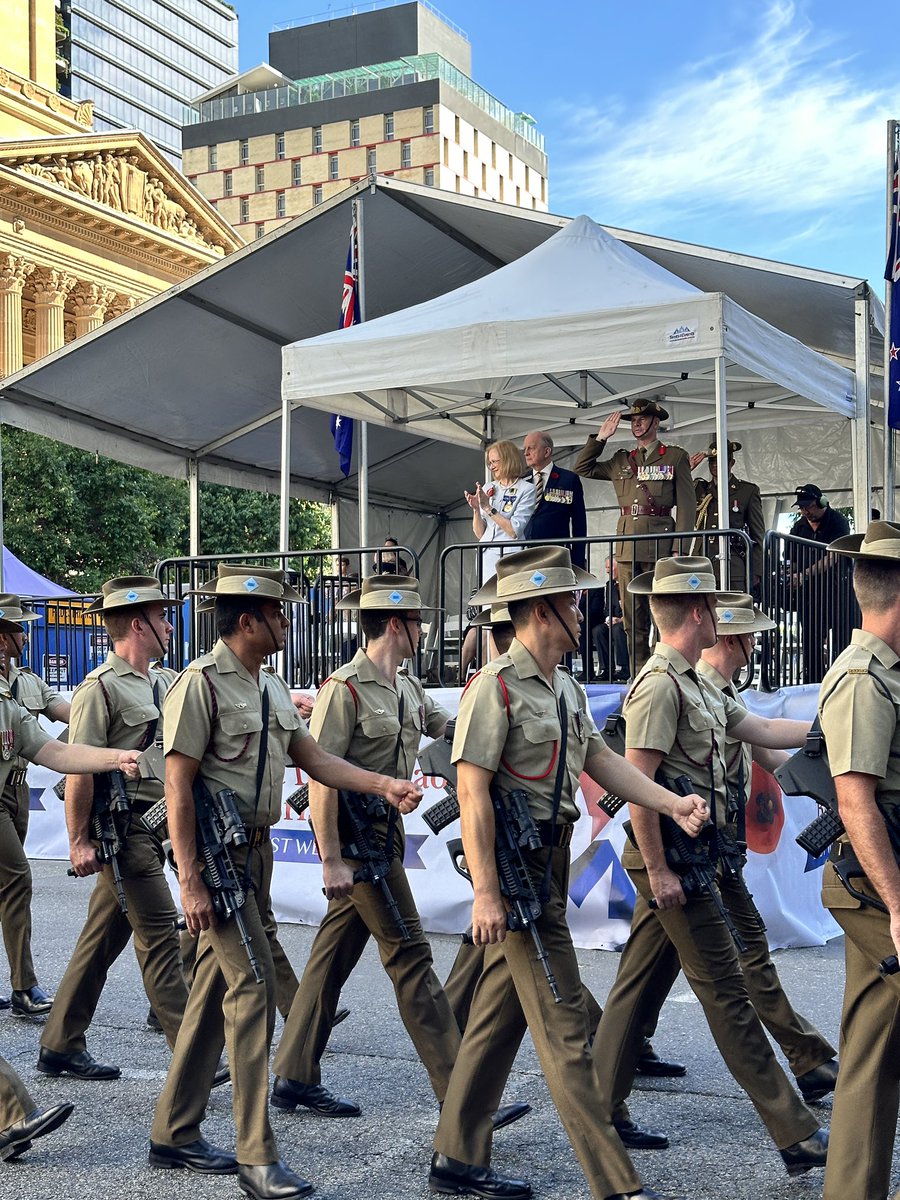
x=559, y=511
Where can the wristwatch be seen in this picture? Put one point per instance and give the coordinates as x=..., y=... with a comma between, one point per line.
x=493, y=511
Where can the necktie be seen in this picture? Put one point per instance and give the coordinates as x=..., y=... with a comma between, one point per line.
x=539, y=486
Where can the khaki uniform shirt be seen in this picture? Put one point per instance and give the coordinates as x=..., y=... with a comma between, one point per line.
x=32, y=693
x=744, y=512
x=736, y=751
x=508, y=723
x=658, y=477
x=674, y=709
x=356, y=716
x=114, y=706
x=214, y=714
x=21, y=736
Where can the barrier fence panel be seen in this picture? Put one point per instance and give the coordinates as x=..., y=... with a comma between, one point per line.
x=809, y=594
x=67, y=642
x=602, y=653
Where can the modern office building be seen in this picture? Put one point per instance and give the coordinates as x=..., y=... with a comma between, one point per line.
x=142, y=61
x=386, y=91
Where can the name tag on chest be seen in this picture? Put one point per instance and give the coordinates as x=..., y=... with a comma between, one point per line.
x=656, y=473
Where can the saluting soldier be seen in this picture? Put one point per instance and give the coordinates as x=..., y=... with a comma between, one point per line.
x=230, y=719
x=677, y=724
x=29, y=690
x=525, y=724
x=744, y=512
x=119, y=704
x=859, y=703
x=650, y=481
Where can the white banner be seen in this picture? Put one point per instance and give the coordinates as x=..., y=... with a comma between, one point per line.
x=784, y=882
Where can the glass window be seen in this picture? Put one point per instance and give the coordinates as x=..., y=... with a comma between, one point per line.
x=354, y=133
x=260, y=179
x=317, y=139
x=279, y=145
x=228, y=182
x=280, y=205
x=388, y=127
x=295, y=173
x=333, y=171
x=213, y=158
x=428, y=121
x=429, y=176
x=245, y=209
x=370, y=160
x=405, y=154
x=260, y=231
x=317, y=194
x=244, y=152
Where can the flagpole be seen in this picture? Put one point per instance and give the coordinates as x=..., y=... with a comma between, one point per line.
x=363, y=445
x=890, y=440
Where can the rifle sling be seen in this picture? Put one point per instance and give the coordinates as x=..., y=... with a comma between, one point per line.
x=557, y=793
x=394, y=813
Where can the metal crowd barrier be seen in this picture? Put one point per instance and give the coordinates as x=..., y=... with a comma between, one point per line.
x=67, y=642
x=602, y=655
x=808, y=593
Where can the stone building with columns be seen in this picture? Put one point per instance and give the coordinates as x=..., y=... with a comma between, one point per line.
x=91, y=224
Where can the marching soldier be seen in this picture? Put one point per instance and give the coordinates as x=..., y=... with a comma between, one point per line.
x=744, y=512
x=29, y=690
x=650, y=481
x=524, y=725
x=21, y=1121
x=231, y=723
x=676, y=725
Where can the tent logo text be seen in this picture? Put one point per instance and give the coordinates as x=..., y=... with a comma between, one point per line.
x=681, y=333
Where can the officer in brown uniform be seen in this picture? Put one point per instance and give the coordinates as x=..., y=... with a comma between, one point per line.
x=650, y=481
x=119, y=704
x=859, y=703
x=230, y=720
x=744, y=512
x=28, y=997
x=373, y=713
x=676, y=725
x=650, y=965
x=525, y=724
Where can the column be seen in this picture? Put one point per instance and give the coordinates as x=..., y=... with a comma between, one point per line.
x=88, y=303
x=13, y=271
x=50, y=290
x=119, y=304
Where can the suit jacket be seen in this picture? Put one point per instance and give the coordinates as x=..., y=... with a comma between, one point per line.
x=561, y=513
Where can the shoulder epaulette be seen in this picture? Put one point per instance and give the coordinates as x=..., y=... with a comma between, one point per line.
x=269, y=669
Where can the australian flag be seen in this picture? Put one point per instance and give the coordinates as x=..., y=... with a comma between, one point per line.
x=342, y=427
x=892, y=275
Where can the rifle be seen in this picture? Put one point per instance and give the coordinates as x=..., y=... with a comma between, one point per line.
x=689, y=860
x=434, y=759
x=614, y=736
x=218, y=826
x=110, y=818
x=358, y=813
x=298, y=800
x=807, y=773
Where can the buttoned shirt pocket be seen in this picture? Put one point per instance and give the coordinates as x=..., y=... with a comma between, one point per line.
x=379, y=725
x=138, y=714
x=238, y=724
x=699, y=719
x=531, y=748
x=288, y=718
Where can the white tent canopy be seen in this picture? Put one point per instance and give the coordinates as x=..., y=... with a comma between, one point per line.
x=556, y=337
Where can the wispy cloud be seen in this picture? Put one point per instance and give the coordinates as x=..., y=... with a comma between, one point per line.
x=783, y=124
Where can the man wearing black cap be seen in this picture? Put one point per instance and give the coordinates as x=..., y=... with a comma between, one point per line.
x=815, y=579
x=650, y=481
x=744, y=512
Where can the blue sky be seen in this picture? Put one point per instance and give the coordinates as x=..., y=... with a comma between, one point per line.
x=751, y=125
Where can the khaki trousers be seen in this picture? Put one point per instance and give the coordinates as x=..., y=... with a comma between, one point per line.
x=227, y=1006
x=151, y=918
x=15, y=1099
x=710, y=962
x=512, y=990
x=865, y=1108
x=635, y=615
x=341, y=939
x=15, y=886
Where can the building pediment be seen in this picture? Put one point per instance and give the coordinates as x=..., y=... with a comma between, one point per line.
x=120, y=176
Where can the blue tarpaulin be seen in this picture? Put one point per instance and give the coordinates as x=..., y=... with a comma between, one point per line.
x=23, y=581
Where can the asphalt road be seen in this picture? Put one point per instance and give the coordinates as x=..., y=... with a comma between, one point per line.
x=719, y=1147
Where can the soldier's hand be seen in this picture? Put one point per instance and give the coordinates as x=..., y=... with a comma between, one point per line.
x=337, y=878
x=403, y=795
x=691, y=813
x=697, y=459
x=83, y=857
x=667, y=890
x=197, y=905
x=488, y=920
x=609, y=427
x=303, y=702
x=128, y=764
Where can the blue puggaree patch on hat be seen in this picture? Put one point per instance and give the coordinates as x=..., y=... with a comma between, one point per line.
x=727, y=615
x=132, y=595
x=694, y=582
x=395, y=597
x=538, y=578
x=250, y=584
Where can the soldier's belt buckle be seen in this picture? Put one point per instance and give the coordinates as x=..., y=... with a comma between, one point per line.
x=635, y=510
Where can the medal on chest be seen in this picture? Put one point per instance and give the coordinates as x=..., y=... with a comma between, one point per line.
x=656, y=472
x=7, y=744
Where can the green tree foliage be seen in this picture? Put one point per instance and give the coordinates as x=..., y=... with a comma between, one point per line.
x=80, y=519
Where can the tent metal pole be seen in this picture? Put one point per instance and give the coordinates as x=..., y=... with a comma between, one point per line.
x=363, y=452
x=284, y=509
x=193, y=471
x=722, y=465
x=335, y=521
x=859, y=444
x=890, y=437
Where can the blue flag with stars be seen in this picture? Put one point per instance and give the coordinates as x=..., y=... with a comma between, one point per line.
x=892, y=275
x=342, y=427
